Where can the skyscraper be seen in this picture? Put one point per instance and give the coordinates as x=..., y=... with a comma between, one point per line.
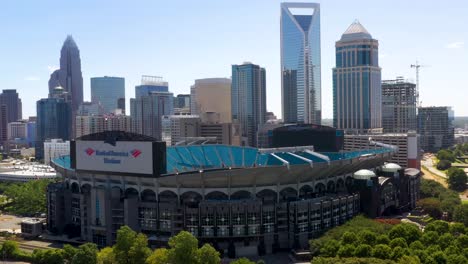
x=398, y=106
x=211, y=95
x=248, y=100
x=300, y=63
x=108, y=91
x=69, y=75
x=148, y=108
x=357, y=90
x=10, y=111
x=435, y=125
x=53, y=121
x=150, y=84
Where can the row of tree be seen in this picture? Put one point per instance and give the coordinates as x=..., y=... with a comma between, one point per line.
x=130, y=248
x=440, y=242
x=25, y=199
x=436, y=199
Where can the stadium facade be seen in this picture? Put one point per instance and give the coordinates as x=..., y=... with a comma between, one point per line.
x=243, y=200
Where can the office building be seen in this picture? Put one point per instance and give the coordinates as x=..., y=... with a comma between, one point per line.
x=182, y=101
x=10, y=111
x=408, y=154
x=242, y=199
x=435, y=125
x=301, y=63
x=224, y=133
x=109, y=92
x=90, y=109
x=31, y=133
x=147, y=112
x=151, y=84
x=248, y=100
x=55, y=148
x=398, y=106
x=178, y=128
x=53, y=121
x=86, y=125
x=69, y=74
x=212, y=95
x=357, y=90
x=18, y=129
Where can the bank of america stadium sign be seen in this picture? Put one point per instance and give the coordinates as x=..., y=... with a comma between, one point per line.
x=125, y=156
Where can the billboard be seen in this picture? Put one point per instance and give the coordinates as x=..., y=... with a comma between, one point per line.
x=125, y=157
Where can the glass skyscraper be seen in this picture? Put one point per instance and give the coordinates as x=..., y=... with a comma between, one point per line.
x=108, y=91
x=151, y=84
x=301, y=63
x=248, y=100
x=53, y=121
x=357, y=90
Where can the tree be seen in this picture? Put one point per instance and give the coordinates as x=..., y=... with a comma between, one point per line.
x=106, y=256
x=27, y=198
x=429, y=237
x=9, y=249
x=457, y=259
x=457, y=228
x=397, y=253
x=209, y=255
x=445, y=240
x=184, y=248
x=348, y=238
x=346, y=251
x=398, y=242
x=242, y=261
x=439, y=226
x=49, y=256
x=456, y=179
x=409, y=232
x=125, y=239
x=363, y=251
x=444, y=165
x=86, y=254
x=159, y=256
x=462, y=241
x=439, y=257
x=382, y=239
x=68, y=253
x=431, y=206
x=460, y=214
x=381, y=251
x=330, y=248
x=416, y=245
x=367, y=237
x=139, y=250
x=446, y=155
x=409, y=260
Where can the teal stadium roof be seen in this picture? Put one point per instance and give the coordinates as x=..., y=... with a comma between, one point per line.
x=181, y=159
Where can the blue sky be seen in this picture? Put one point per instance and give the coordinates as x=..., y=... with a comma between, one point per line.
x=186, y=40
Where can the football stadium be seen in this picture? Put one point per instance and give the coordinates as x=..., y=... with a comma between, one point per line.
x=242, y=200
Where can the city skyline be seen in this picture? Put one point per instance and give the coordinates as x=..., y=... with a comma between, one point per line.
x=101, y=56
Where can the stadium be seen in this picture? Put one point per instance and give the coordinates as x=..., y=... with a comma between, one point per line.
x=242, y=200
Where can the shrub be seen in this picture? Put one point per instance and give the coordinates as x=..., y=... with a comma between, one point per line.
x=444, y=165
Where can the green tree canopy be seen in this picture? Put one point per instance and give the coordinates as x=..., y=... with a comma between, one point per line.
x=381, y=251
x=242, y=261
x=106, y=256
x=445, y=154
x=27, y=198
x=431, y=206
x=86, y=254
x=346, y=251
x=456, y=179
x=409, y=232
x=444, y=164
x=460, y=214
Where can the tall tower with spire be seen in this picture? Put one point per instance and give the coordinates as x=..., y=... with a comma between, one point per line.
x=69, y=75
x=357, y=88
x=301, y=90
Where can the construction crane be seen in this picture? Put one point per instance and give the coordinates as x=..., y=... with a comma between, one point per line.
x=417, y=66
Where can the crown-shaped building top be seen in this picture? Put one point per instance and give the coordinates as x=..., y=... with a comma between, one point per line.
x=355, y=31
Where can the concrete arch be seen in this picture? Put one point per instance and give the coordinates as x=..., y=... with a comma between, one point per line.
x=267, y=195
x=331, y=187
x=288, y=194
x=131, y=192
x=190, y=197
x=306, y=191
x=148, y=195
x=167, y=196
x=75, y=187
x=216, y=195
x=116, y=192
x=86, y=188
x=320, y=188
x=241, y=195
x=340, y=185
x=260, y=189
